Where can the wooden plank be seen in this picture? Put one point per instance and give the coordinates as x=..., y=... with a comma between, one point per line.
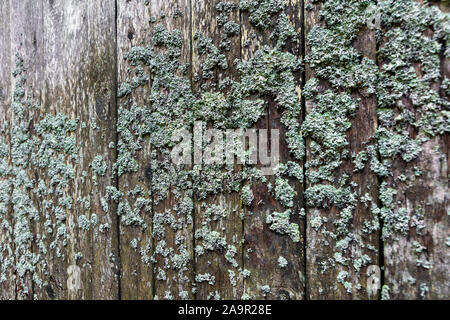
x=293, y=11
x=26, y=37
x=7, y=258
x=272, y=228
x=45, y=206
x=171, y=247
x=136, y=243
x=342, y=251
x=173, y=207
x=218, y=210
x=79, y=239
x=415, y=230
x=61, y=199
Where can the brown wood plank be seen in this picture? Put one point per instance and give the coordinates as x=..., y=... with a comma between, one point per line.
x=172, y=192
x=136, y=243
x=340, y=248
x=273, y=250
x=218, y=210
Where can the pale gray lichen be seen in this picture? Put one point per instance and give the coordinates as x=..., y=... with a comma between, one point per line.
x=282, y=262
x=280, y=223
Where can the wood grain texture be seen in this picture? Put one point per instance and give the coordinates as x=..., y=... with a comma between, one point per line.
x=50, y=42
x=406, y=278
x=26, y=44
x=80, y=40
x=7, y=258
x=262, y=246
x=228, y=282
x=416, y=263
x=137, y=279
x=310, y=20
x=176, y=261
x=321, y=248
x=62, y=235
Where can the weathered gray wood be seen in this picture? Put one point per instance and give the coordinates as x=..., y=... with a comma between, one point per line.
x=55, y=258
x=255, y=230
x=228, y=282
x=26, y=44
x=137, y=279
x=7, y=257
x=407, y=275
x=79, y=39
x=416, y=261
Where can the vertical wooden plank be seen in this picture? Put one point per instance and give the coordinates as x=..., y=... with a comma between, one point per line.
x=218, y=210
x=273, y=230
x=257, y=237
x=26, y=53
x=342, y=232
x=7, y=261
x=293, y=161
x=136, y=243
x=78, y=92
x=163, y=238
x=172, y=192
x=101, y=87
x=414, y=196
x=439, y=277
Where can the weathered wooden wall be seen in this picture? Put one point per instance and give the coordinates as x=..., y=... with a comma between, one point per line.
x=91, y=206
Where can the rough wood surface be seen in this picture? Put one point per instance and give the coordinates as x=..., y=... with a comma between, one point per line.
x=136, y=274
x=55, y=215
x=26, y=44
x=224, y=263
x=263, y=247
x=7, y=282
x=176, y=261
x=91, y=252
x=324, y=240
x=416, y=261
x=93, y=207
